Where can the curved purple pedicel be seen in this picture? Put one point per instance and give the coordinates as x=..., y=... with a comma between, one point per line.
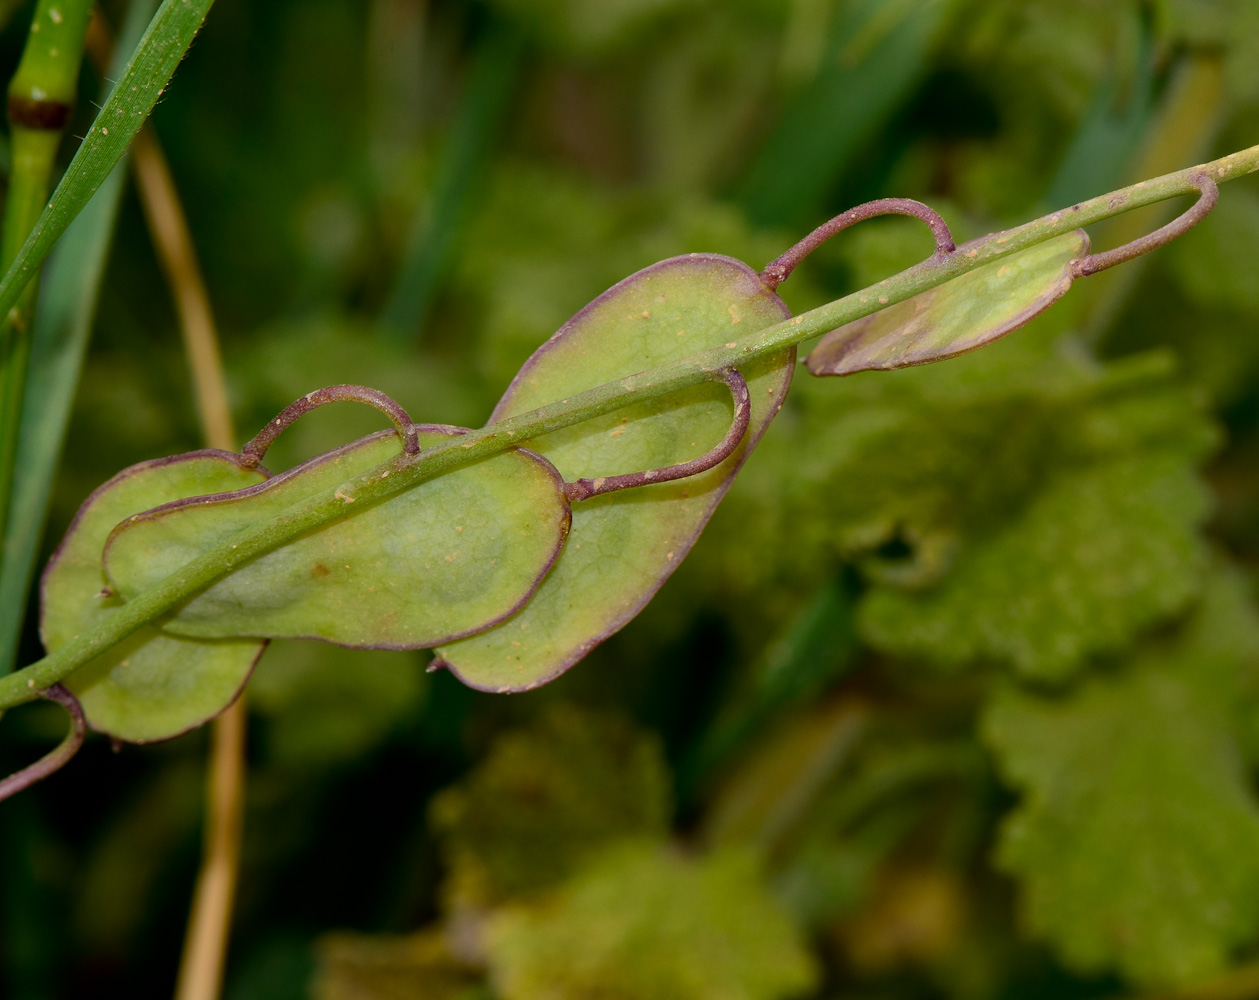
x=256, y=449
x=683, y=548
x=1208, y=195
x=282, y=477
x=286, y=475
x=60, y=755
x=779, y=269
x=584, y=489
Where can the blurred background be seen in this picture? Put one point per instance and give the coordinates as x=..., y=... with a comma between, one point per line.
x=958, y=695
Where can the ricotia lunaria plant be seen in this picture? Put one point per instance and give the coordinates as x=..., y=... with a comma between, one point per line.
x=633, y=381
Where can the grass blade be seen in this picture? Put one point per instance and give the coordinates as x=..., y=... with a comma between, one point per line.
x=62, y=327
x=492, y=81
x=877, y=56
x=140, y=85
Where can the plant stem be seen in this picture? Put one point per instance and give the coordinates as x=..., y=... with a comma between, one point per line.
x=210, y=916
x=149, y=70
x=40, y=99
x=256, y=449
x=404, y=472
x=60, y=755
x=1187, y=122
x=168, y=228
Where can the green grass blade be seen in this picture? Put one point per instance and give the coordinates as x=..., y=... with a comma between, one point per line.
x=1112, y=129
x=876, y=59
x=62, y=326
x=493, y=79
x=141, y=84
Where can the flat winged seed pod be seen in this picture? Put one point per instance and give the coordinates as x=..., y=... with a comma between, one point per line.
x=152, y=686
x=446, y=558
x=959, y=316
x=624, y=545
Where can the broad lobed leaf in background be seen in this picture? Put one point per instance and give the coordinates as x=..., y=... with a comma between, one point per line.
x=630, y=923
x=546, y=797
x=1092, y=561
x=1136, y=846
x=1022, y=506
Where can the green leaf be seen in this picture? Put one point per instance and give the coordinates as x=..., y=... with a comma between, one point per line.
x=67, y=305
x=959, y=316
x=152, y=686
x=545, y=798
x=1137, y=844
x=625, y=545
x=141, y=84
x=1094, y=558
x=644, y=923
x=1018, y=506
x=449, y=557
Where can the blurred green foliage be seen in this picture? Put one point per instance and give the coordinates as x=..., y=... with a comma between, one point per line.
x=958, y=695
x=543, y=799
x=639, y=923
x=1138, y=842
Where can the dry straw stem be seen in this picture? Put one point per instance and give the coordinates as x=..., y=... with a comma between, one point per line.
x=210, y=919
x=404, y=472
x=169, y=231
x=210, y=916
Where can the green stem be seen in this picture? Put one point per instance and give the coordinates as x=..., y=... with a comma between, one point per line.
x=405, y=472
x=164, y=43
x=41, y=97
